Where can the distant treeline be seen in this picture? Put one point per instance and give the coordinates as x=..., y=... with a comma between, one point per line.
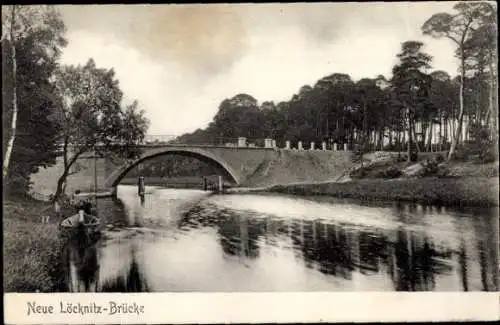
x=416, y=106
x=174, y=167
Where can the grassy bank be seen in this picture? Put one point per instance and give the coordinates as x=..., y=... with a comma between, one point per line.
x=31, y=249
x=473, y=191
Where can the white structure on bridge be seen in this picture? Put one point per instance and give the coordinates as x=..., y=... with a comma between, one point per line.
x=151, y=138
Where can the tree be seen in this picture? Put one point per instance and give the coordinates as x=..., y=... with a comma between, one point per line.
x=411, y=84
x=18, y=23
x=369, y=100
x=92, y=118
x=481, y=61
x=444, y=99
x=458, y=28
x=28, y=91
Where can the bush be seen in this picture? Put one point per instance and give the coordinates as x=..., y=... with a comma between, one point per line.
x=359, y=172
x=391, y=172
x=430, y=167
x=485, y=146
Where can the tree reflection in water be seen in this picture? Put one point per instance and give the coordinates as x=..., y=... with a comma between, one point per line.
x=133, y=281
x=82, y=263
x=81, y=258
x=487, y=246
x=238, y=234
x=409, y=257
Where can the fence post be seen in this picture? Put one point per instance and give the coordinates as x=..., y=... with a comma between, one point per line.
x=242, y=142
x=323, y=145
x=300, y=146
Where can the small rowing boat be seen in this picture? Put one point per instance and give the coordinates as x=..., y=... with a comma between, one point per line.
x=81, y=221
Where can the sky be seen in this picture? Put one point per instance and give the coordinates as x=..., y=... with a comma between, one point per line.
x=181, y=61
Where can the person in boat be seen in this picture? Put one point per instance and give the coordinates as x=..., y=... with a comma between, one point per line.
x=81, y=203
x=80, y=219
x=74, y=198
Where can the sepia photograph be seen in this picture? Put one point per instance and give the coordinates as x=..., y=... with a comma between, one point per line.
x=249, y=148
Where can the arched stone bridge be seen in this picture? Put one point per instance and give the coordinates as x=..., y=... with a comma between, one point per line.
x=236, y=162
x=244, y=166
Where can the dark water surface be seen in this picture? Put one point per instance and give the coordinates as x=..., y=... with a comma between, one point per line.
x=187, y=240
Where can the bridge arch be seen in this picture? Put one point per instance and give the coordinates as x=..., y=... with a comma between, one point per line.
x=204, y=155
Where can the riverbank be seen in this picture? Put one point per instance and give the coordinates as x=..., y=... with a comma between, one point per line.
x=462, y=184
x=31, y=248
x=469, y=191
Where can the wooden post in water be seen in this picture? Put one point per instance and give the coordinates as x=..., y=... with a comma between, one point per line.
x=221, y=185
x=141, y=188
x=205, y=184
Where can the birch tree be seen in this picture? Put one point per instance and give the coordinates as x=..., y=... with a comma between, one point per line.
x=19, y=22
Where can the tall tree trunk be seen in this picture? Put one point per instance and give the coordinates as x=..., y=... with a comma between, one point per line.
x=10, y=145
x=366, y=134
x=493, y=108
x=381, y=139
x=408, y=147
x=390, y=139
x=398, y=142
x=414, y=135
x=61, y=185
x=404, y=140
x=458, y=132
x=445, y=135
x=429, y=130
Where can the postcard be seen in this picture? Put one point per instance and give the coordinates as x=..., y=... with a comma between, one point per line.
x=250, y=163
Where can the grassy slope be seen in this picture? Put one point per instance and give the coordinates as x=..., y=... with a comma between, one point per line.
x=31, y=249
x=445, y=191
x=469, y=184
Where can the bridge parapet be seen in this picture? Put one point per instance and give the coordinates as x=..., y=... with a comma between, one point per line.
x=240, y=142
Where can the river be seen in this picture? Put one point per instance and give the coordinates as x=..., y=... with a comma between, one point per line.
x=190, y=240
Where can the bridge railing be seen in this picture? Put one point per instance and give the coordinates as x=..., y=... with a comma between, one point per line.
x=204, y=140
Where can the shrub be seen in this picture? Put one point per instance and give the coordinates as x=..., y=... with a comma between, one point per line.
x=485, y=146
x=430, y=167
x=391, y=172
x=358, y=172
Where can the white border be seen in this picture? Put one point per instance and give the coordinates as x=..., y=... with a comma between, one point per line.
x=182, y=308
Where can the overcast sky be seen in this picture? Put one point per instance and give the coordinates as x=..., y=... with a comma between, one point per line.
x=181, y=61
